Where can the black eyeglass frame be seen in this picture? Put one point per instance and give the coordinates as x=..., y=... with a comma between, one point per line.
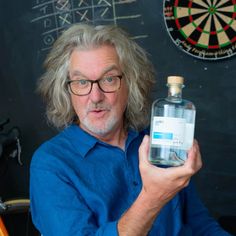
x=94, y=82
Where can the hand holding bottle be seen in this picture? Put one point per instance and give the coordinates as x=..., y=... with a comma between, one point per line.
x=160, y=185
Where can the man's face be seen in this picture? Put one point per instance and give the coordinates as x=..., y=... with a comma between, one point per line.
x=99, y=113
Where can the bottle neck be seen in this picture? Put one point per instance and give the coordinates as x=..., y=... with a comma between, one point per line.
x=175, y=92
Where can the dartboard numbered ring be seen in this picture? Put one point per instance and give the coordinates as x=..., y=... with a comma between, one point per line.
x=205, y=29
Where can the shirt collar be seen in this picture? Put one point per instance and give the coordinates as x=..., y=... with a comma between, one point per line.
x=83, y=142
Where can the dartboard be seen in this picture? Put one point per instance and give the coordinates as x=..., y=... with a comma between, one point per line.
x=205, y=29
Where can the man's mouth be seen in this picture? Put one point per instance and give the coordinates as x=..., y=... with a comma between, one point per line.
x=98, y=112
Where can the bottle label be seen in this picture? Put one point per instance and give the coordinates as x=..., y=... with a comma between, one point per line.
x=170, y=131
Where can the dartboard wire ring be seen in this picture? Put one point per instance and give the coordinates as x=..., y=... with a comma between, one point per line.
x=209, y=49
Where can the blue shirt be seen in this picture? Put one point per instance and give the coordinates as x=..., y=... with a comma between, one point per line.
x=80, y=186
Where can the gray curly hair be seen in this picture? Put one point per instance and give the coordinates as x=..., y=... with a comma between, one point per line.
x=137, y=69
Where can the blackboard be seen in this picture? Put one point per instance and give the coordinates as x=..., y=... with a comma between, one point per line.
x=28, y=30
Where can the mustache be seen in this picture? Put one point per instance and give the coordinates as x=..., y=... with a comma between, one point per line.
x=98, y=106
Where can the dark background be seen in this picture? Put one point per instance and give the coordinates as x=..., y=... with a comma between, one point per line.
x=27, y=31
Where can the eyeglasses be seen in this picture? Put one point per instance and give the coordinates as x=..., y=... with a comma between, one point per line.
x=82, y=87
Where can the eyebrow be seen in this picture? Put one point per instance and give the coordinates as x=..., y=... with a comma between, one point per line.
x=106, y=70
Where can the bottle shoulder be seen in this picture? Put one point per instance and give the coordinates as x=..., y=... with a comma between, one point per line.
x=178, y=103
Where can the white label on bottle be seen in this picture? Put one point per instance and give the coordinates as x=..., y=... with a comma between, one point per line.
x=189, y=134
x=168, y=131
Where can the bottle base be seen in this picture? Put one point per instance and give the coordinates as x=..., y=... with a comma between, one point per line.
x=167, y=157
x=163, y=163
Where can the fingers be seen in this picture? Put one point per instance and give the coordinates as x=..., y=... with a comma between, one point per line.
x=161, y=184
x=144, y=149
x=194, y=160
x=144, y=165
x=191, y=166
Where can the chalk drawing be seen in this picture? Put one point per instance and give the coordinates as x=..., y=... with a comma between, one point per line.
x=57, y=15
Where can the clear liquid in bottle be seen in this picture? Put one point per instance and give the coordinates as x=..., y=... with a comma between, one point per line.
x=172, y=126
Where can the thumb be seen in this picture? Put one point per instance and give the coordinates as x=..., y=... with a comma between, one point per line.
x=144, y=149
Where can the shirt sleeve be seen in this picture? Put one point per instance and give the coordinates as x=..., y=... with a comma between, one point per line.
x=57, y=208
x=197, y=215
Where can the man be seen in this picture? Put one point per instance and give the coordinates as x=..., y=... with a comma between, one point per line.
x=94, y=177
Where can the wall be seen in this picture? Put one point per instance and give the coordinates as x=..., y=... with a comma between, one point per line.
x=27, y=32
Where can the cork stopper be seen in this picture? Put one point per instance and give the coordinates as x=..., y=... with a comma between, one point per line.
x=175, y=80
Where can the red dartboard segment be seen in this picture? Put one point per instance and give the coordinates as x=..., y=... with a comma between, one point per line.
x=213, y=33
x=190, y=18
x=233, y=40
x=191, y=41
x=176, y=3
x=226, y=27
x=190, y=4
x=213, y=46
x=201, y=28
x=177, y=24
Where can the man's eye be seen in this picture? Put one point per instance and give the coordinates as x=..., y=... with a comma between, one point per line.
x=82, y=82
x=109, y=80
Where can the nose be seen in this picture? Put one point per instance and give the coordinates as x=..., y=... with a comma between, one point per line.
x=96, y=95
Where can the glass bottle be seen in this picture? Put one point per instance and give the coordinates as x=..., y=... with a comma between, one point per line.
x=172, y=126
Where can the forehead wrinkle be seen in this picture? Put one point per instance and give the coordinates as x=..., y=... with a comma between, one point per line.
x=76, y=73
x=110, y=68
x=104, y=71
